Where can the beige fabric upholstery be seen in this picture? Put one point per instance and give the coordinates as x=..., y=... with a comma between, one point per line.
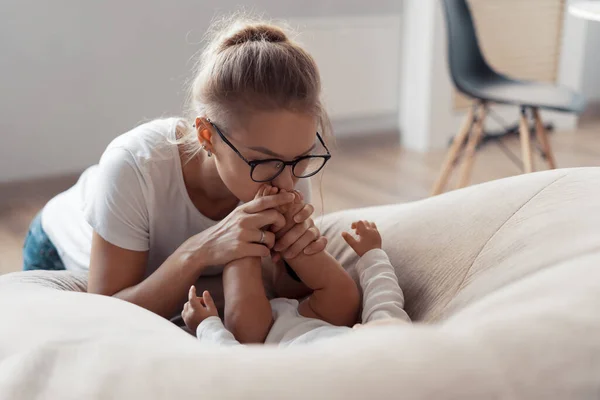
x=451, y=250
x=58, y=280
x=505, y=278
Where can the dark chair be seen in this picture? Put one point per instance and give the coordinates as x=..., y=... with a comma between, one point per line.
x=473, y=76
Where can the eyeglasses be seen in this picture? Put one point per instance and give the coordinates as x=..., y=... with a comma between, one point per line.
x=267, y=170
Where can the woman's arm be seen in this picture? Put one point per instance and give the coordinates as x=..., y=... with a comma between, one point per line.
x=115, y=271
x=118, y=272
x=248, y=314
x=119, y=250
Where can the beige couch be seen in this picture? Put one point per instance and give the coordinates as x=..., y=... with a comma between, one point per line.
x=502, y=280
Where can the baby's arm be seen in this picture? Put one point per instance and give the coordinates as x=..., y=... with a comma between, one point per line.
x=382, y=295
x=212, y=331
x=201, y=316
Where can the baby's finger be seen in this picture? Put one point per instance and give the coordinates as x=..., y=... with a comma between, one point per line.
x=360, y=226
x=298, y=198
x=353, y=226
x=192, y=293
x=208, y=300
x=350, y=240
x=269, y=190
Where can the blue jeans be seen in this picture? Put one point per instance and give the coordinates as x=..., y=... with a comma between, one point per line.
x=38, y=250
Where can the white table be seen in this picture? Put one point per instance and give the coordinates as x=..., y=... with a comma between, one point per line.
x=586, y=9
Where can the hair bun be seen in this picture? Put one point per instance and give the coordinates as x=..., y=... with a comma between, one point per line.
x=256, y=33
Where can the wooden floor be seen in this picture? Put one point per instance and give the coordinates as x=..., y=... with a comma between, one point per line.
x=358, y=175
x=374, y=175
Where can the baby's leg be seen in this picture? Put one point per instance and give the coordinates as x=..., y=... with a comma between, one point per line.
x=248, y=314
x=282, y=280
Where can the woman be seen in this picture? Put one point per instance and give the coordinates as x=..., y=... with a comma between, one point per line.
x=172, y=200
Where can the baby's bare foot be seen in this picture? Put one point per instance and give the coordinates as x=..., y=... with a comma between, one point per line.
x=268, y=190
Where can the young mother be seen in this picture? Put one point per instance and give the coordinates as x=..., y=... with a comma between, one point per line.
x=171, y=201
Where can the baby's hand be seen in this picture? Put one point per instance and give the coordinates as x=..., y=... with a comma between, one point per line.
x=197, y=309
x=368, y=237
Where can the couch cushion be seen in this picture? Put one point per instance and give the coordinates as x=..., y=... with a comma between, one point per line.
x=451, y=250
x=57, y=280
x=505, y=274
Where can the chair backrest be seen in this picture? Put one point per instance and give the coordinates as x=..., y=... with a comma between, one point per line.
x=465, y=58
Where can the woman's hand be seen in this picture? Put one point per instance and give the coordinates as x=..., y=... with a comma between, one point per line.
x=240, y=234
x=299, y=234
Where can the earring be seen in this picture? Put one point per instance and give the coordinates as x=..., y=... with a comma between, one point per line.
x=203, y=147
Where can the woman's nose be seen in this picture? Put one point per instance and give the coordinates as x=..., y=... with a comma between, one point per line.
x=285, y=180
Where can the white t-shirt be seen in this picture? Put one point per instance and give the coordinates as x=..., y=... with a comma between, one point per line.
x=135, y=198
x=382, y=299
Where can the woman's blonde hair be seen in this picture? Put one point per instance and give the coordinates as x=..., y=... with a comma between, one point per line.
x=250, y=65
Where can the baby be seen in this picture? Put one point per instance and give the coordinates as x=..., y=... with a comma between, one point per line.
x=332, y=307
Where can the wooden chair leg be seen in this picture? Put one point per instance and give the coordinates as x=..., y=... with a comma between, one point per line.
x=474, y=139
x=454, y=152
x=542, y=138
x=525, y=142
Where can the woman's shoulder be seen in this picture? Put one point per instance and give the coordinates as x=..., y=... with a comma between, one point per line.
x=152, y=141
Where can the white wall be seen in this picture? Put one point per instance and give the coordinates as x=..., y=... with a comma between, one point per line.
x=75, y=74
x=591, y=72
x=417, y=76
x=360, y=62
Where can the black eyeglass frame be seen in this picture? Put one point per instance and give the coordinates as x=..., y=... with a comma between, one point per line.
x=253, y=164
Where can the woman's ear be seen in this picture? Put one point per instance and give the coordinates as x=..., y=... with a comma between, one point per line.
x=204, y=132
